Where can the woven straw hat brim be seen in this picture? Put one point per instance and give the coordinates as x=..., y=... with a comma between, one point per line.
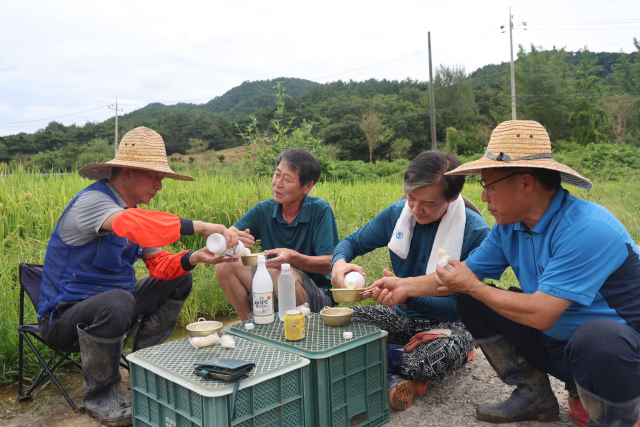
x=521, y=144
x=140, y=148
x=98, y=171
x=567, y=174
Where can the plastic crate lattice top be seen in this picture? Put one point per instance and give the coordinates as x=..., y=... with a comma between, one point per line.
x=319, y=337
x=180, y=356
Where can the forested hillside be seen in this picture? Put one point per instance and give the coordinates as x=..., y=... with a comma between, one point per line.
x=580, y=97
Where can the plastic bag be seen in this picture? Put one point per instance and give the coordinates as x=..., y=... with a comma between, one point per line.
x=200, y=342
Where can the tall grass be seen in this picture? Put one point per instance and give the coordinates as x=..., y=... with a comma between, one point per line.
x=30, y=205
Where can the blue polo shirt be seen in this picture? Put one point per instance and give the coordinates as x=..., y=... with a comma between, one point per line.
x=577, y=251
x=313, y=232
x=377, y=233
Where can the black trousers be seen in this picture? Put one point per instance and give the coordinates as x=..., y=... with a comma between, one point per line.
x=602, y=355
x=109, y=314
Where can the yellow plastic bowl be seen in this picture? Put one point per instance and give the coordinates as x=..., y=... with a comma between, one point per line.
x=251, y=260
x=347, y=295
x=336, y=316
x=203, y=328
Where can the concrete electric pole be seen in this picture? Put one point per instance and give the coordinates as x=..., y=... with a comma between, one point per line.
x=112, y=107
x=513, y=79
x=432, y=108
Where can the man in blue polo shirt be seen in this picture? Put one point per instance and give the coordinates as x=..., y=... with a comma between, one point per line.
x=578, y=315
x=294, y=228
x=413, y=356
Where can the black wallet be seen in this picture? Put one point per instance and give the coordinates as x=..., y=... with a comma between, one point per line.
x=225, y=370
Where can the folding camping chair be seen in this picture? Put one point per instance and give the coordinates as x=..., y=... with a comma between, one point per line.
x=30, y=276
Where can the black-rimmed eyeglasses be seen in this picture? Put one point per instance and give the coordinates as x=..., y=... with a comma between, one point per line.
x=485, y=186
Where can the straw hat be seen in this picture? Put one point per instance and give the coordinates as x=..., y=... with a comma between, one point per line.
x=140, y=148
x=521, y=144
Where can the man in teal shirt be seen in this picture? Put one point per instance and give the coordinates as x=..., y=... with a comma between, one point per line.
x=295, y=229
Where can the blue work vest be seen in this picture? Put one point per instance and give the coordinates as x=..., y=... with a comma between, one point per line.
x=74, y=273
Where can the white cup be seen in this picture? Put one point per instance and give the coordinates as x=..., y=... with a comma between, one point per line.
x=356, y=278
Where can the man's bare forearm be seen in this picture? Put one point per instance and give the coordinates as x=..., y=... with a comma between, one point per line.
x=538, y=310
x=423, y=286
x=313, y=264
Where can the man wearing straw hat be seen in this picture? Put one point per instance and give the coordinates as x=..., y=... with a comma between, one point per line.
x=577, y=316
x=89, y=293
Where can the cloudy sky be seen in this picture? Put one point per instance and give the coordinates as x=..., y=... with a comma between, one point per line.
x=67, y=60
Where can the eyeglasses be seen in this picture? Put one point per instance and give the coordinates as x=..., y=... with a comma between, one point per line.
x=486, y=186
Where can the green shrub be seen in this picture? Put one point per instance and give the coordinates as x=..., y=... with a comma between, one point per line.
x=464, y=142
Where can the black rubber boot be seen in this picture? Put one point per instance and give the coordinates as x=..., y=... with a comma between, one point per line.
x=156, y=327
x=104, y=399
x=533, y=399
x=605, y=413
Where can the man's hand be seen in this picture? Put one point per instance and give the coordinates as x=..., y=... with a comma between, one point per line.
x=245, y=237
x=390, y=290
x=282, y=256
x=340, y=268
x=203, y=255
x=206, y=229
x=461, y=279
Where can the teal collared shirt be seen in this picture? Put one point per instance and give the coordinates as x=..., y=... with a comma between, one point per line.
x=313, y=232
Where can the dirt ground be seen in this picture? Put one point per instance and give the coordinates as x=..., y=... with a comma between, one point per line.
x=450, y=403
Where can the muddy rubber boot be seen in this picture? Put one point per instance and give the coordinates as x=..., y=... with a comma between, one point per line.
x=156, y=327
x=533, y=399
x=401, y=390
x=604, y=413
x=104, y=399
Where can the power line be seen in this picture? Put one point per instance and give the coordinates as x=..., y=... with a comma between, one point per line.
x=581, y=29
x=597, y=22
x=368, y=66
x=55, y=117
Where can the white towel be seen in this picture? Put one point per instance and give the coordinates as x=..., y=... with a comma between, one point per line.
x=449, y=236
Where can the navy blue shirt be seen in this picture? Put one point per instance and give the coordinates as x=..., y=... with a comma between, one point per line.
x=313, y=232
x=577, y=251
x=377, y=233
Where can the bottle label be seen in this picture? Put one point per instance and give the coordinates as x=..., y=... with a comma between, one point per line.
x=233, y=252
x=263, y=304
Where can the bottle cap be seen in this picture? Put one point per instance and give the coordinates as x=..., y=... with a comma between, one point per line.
x=248, y=326
x=261, y=258
x=347, y=335
x=285, y=266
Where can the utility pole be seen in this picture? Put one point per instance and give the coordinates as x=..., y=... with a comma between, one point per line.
x=432, y=108
x=116, y=110
x=513, y=78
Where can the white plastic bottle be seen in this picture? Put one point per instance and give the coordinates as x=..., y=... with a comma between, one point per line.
x=217, y=244
x=262, y=288
x=286, y=291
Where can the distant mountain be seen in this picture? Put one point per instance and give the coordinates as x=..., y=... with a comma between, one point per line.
x=245, y=99
x=336, y=108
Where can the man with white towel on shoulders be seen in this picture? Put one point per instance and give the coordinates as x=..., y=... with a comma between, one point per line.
x=426, y=339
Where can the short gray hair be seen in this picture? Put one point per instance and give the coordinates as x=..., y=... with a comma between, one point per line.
x=429, y=168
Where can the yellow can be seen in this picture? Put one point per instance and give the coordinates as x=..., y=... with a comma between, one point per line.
x=293, y=325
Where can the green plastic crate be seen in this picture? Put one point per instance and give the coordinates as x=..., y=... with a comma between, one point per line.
x=348, y=377
x=166, y=393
